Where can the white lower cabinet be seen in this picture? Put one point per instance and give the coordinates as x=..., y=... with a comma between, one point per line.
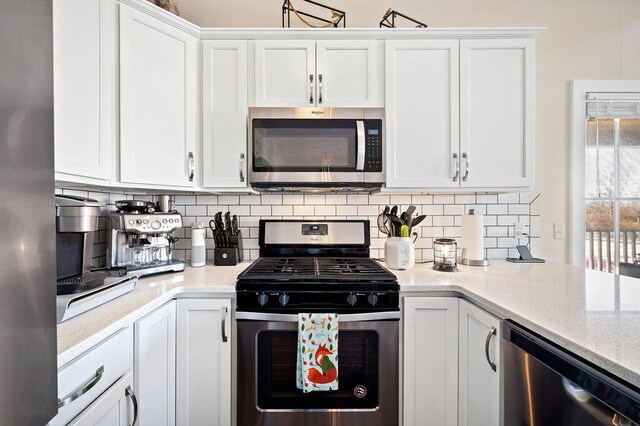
x=480, y=367
x=203, y=385
x=450, y=350
x=115, y=407
x=430, y=392
x=155, y=366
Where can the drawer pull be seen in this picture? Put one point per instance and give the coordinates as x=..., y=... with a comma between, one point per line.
x=131, y=394
x=223, y=311
x=492, y=332
x=82, y=389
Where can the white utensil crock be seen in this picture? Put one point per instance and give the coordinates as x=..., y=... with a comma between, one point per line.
x=399, y=253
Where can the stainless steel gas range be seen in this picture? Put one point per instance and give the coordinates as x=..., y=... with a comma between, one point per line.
x=317, y=267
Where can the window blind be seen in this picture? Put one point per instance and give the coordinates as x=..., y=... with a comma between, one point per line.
x=613, y=105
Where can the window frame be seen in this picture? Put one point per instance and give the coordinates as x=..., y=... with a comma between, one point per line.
x=577, y=200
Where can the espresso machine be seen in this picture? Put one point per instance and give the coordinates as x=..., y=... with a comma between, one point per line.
x=81, y=287
x=141, y=238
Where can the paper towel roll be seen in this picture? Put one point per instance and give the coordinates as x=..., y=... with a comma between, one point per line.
x=472, y=236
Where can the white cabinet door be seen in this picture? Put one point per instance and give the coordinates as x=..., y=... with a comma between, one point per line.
x=85, y=60
x=155, y=366
x=497, y=89
x=421, y=97
x=224, y=114
x=430, y=391
x=115, y=407
x=158, y=101
x=480, y=393
x=347, y=73
x=203, y=362
x=284, y=73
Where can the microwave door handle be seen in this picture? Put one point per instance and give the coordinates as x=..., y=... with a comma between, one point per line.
x=360, y=140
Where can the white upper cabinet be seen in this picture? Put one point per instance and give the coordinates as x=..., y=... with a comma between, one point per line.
x=347, y=73
x=430, y=390
x=224, y=114
x=85, y=53
x=497, y=90
x=421, y=113
x=284, y=73
x=480, y=367
x=306, y=73
x=158, y=101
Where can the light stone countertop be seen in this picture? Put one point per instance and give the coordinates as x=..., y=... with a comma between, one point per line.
x=590, y=313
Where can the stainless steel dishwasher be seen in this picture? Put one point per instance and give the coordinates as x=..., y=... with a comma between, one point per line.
x=545, y=384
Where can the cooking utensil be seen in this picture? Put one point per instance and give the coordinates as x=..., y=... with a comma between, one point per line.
x=227, y=223
x=394, y=211
x=396, y=223
x=381, y=224
x=417, y=220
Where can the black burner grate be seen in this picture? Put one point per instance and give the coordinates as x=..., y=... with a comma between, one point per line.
x=316, y=269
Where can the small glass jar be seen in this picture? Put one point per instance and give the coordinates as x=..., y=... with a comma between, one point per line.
x=445, y=251
x=399, y=253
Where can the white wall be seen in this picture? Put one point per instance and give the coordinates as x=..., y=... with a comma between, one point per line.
x=585, y=39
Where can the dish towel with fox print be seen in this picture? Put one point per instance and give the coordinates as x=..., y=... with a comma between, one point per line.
x=317, y=366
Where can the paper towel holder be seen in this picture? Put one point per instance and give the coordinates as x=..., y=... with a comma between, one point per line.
x=471, y=262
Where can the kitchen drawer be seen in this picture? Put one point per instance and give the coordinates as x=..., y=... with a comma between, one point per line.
x=95, y=371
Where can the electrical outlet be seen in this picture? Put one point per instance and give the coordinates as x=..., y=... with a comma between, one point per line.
x=559, y=231
x=519, y=229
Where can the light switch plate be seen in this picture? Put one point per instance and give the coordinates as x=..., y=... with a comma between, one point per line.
x=559, y=231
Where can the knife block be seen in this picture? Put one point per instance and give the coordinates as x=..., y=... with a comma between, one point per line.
x=229, y=256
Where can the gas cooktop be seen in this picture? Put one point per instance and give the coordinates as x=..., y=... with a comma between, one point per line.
x=316, y=269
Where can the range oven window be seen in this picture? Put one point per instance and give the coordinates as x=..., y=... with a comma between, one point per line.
x=290, y=145
x=358, y=364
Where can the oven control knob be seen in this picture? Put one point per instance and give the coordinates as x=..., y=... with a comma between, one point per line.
x=283, y=299
x=263, y=299
x=372, y=299
x=352, y=299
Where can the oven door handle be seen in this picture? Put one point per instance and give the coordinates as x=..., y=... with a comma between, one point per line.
x=360, y=141
x=370, y=316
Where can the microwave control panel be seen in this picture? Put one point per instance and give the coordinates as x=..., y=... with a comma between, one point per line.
x=373, y=146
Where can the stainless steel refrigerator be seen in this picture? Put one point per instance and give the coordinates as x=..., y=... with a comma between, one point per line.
x=28, y=372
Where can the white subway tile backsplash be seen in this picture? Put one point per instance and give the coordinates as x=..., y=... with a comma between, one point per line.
x=346, y=210
x=327, y=210
x=271, y=199
x=229, y=199
x=336, y=199
x=314, y=199
x=487, y=199
x=249, y=199
x=293, y=199
x=357, y=199
x=303, y=210
x=443, y=216
x=282, y=210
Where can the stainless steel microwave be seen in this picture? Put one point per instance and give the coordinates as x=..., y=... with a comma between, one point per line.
x=330, y=153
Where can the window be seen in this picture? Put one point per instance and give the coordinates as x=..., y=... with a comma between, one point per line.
x=606, y=176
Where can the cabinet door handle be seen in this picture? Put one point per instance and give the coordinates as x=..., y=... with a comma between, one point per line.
x=467, y=165
x=192, y=166
x=311, y=89
x=82, y=389
x=242, y=167
x=492, y=332
x=456, y=165
x=320, y=88
x=131, y=394
x=223, y=311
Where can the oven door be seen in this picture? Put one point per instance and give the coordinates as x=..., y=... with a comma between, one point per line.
x=307, y=150
x=368, y=365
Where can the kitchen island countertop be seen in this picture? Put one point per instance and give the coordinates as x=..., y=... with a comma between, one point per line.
x=593, y=314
